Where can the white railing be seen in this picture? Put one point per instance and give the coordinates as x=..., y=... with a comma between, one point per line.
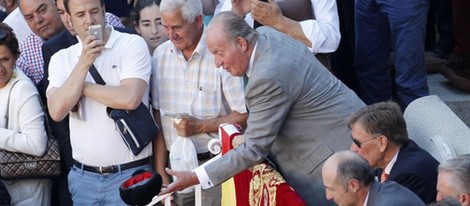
x=215, y=147
x=197, y=191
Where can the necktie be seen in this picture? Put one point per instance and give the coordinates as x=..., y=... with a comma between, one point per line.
x=383, y=177
x=245, y=81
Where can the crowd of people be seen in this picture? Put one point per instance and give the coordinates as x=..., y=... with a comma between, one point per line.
x=270, y=67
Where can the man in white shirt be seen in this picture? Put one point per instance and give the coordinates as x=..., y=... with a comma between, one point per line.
x=186, y=82
x=102, y=159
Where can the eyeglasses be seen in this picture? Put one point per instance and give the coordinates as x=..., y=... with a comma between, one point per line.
x=359, y=144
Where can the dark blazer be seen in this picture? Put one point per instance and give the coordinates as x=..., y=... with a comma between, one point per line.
x=392, y=194
x=416, y=170
x=296, y=119
x=60, y=129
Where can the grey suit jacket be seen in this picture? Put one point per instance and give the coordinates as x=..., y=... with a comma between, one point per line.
x=297, y=111
x=391, y=193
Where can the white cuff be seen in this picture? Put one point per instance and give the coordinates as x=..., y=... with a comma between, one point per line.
x=203, y=177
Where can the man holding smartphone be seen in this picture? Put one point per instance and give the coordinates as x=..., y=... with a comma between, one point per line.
x=102, y=159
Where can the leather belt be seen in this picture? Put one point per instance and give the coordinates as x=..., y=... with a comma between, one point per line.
x=205, y=156
x=112, y=168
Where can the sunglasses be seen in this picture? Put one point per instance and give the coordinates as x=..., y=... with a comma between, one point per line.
x=359, y=144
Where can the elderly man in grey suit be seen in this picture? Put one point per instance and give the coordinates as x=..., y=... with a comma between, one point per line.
x=297, y=108
x=349, y=180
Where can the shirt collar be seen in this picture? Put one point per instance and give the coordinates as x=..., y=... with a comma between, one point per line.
x=367, y=198
x=200, y=49
x=389, y=167
x=113, y=37
x=252, y=60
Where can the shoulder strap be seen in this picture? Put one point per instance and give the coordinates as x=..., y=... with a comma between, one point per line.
x=46, y=120
x=8, y=104
x=96, y=75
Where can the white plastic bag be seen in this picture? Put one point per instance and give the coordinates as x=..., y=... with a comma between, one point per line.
x=183, y=156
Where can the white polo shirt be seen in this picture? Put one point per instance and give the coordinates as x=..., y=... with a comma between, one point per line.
x=94, y=138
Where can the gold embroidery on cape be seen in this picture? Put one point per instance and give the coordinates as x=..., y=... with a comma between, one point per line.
x=264, y=178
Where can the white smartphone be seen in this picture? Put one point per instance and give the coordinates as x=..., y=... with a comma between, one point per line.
x=96, y=31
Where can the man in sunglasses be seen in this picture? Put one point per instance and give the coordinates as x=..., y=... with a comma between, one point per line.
x=379, y=134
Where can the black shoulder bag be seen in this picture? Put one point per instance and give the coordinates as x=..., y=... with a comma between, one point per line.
x=137, y=127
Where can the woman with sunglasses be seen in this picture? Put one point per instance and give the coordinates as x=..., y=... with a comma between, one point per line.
x=22, y=130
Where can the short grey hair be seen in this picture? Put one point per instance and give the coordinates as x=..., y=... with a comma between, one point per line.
x=383, y=118
x=190, y=9
x=353, y=166
x=459, y=168
x=235, y=26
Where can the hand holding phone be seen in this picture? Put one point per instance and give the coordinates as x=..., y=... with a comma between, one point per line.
x=96, y=31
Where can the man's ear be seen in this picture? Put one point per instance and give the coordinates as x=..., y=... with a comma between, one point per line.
x=137, y=28
x=383, y=143
x=242, y=43
x=69, y=20
x=354, y=185
x=464, y=199
x=198, y=20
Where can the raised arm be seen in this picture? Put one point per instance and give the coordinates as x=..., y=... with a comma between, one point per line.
x=62, y=99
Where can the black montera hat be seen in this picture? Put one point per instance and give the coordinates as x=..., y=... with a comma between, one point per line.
x=141, y=187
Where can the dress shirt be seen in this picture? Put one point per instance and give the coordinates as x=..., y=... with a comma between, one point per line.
x=389, y=166
x=367, y=199
x=195, y=87
x=30, y=60
x=113, y=20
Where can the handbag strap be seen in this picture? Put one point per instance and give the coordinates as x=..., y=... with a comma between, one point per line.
x=96, y=75
x=8, y=104
x=46, y=120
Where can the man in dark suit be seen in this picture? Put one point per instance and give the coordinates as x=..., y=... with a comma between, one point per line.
x=379, y=135
x=296, y=108
x=349, y=180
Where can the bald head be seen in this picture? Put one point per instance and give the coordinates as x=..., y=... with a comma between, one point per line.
x=347, y=165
